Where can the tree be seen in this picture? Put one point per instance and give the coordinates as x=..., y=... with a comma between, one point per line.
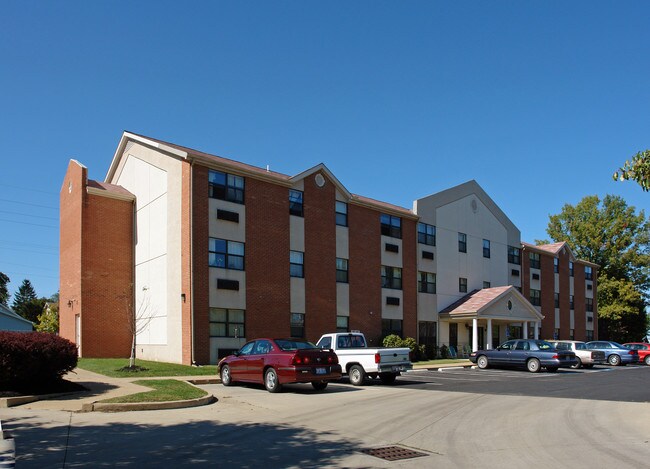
x=638, y=170
x=611, y=234
x=4, y=292
x=23, y=301
x=48, y=320
x=138, y=320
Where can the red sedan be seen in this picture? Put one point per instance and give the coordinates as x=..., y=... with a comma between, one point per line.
x=274, y=362
x=642, y=348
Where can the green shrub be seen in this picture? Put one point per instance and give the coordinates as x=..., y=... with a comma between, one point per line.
x=393, y=340
x=417, y=352
x=444, y=351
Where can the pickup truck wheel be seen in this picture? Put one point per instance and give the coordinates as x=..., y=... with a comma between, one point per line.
x=482, y=362
x=226, y=379
x=614, y=360
x=647, y=360
x=319, y=385
x=271, y=381
x=387, y=378
x=578, y=363
x=357, y=375
x=533, y=365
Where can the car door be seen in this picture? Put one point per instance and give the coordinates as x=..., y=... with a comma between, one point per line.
x=239, y=365
x=499, y=356
x=257, y=360
x=520, y=353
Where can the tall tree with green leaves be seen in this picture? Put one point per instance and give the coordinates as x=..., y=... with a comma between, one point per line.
x=4, y=291
x=23, y=301
x=638, y=169
x=613, y=235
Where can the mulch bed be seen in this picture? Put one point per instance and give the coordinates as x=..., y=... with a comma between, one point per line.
x=50, y=388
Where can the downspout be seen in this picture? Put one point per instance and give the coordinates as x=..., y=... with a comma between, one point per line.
x=192, y=257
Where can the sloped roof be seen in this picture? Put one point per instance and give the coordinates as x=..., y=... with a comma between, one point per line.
x=478, y=301
x=111, y=188
x=6, y=311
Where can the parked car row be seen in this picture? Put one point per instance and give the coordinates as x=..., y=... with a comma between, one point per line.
x=535, y=354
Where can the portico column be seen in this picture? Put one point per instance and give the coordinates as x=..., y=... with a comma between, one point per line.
x=536, y=330
x=474, y=334
x=488, y=346
x=525, y=332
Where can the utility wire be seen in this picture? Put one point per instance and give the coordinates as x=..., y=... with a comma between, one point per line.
x=28, y=215
x=27, y=203
x=26, y=223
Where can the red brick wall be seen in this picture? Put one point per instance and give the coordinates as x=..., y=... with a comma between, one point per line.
x=200, y=293
x=365, y=271
x=71, y=204
x=320, y=258
x=547, y=277
x=107, y=277
x=267, y=259
x=565, y=293
x=409, y=278
x=595, y=281
x=580, y=306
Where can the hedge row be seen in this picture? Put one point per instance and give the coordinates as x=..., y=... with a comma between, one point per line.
x=30, y=360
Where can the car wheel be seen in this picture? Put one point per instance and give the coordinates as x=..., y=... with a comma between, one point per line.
x=532, y=365
x=551, y=369
x=357, y=375
x=578, y=363
x=614, y=360
x=647, y=360
x=482, y=362
x=387, y=378
x=319, y=385
x=271, y=381
x=226, y=379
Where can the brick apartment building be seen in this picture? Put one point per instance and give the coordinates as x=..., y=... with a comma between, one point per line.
x=208, y=252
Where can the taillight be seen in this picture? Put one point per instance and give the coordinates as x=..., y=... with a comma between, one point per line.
x=557, y=357
x=300, y=360
x=632, y=352
x=377, y=357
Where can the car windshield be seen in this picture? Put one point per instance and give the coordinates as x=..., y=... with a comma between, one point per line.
x=288, y=344
x=562, y=346
x=581, y=346
x=543, y=345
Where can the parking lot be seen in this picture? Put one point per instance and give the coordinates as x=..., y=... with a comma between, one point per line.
x=451, y=418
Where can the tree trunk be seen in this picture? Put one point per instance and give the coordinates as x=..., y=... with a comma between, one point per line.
x=132, y=359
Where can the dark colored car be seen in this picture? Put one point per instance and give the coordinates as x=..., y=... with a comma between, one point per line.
x=615, y=353
x=525, y=353
x=642, y=348
x=274, y=362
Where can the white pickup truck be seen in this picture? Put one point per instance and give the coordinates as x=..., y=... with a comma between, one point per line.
x=358, y=361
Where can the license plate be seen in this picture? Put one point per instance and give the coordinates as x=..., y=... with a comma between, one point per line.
x=397, y=368
x=321, y=371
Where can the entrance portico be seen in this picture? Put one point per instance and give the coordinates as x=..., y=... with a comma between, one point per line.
x=494, y=313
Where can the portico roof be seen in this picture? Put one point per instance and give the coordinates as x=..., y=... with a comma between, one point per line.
x=493, y=303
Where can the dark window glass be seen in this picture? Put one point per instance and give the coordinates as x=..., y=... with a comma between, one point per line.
x=571, y=301
x=227, y=322
x=426, y=234
x=486, y=248
x=534, y=260
x=341, y=270
x=462, y=285
x=295, y=203
x=426, y=282
x=557, y=300
x=391, y=326
x=462, y=242
x=391, y=226
x=297, y=325
x=226, y=186
x=391, y=277
x=296, y=264
x=571, y=269
x=535, y=297
x=341, y=213
x=342, y=324
x=589, y=273
x=556, y=265
x=226, y=254
x=514, y=255
x=589, y=304
x=486, y=284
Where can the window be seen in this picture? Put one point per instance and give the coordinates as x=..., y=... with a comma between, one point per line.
x=556, y=297
x=227, y=322
x=514, y=255
x=226, y=187
x=571, y=301
x=570, y=269
x=341, y=270
x=427, y=282
x=391, y=247
x=486, y=284
x=426, y=234
x=226, y=284
x=297, y=325
x=535, y=297
x=462, y=285
x=534, y=260
x=427, y=255
x=462, y=242
x=391, y=277
x=296, y=264
x=556, y=265
x=342, y=324
x=391, y=226
x=392, y=300
x=589, y=304
x=572, y=335
x=226, y=254
x=295, y=203
x=391, y=326
x=486, y=248
x=556, y=334
x=589, y=273
x=590, y=335
x=341, y=213
x=228, y=215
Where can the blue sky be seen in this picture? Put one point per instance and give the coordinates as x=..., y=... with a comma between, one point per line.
x=538, y=101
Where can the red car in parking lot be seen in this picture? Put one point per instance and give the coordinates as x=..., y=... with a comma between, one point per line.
x=274, y=362
x=642, y=348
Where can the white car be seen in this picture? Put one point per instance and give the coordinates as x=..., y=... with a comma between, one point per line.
x=586, y=357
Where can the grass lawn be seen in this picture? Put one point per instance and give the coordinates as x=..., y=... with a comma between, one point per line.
x=164, y=390
x=112, y=367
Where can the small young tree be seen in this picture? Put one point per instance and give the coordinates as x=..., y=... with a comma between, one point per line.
x=138, y=321
x=48, y=320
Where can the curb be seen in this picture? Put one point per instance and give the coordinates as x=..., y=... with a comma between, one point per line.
x=129, y=407
x=20, y=400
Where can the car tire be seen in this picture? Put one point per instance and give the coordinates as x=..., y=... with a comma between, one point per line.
x=614, y=360
x=647, y=360
x=551, y=369
x=482, y=362
x=319, y=385
x=578, y=364
x=387, y=378
x=226, y=379
x=271, y=381
x=357, y=375
x=532, y=365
